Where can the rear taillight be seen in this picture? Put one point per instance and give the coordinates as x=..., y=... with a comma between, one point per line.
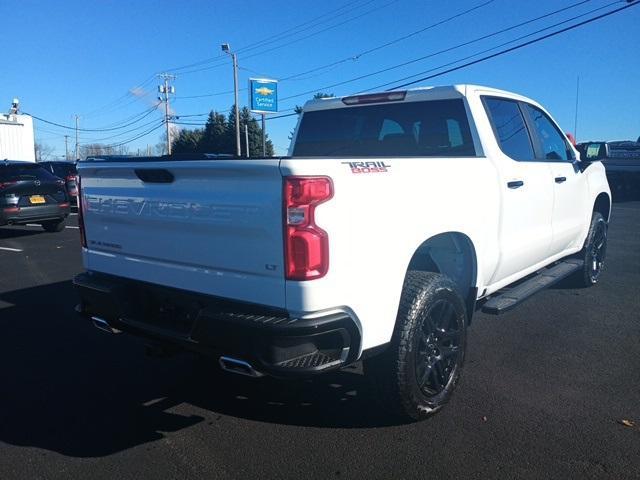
x=306, y=244
x=71, y=178
x=6, y=184
x=83, y=237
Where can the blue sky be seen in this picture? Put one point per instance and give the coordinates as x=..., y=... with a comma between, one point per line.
x=85, y=57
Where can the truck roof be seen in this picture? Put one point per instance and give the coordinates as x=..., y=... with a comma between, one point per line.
x=418, y=94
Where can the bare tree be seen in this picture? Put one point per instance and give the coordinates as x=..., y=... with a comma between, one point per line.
x=98, y=149
x=43, y=152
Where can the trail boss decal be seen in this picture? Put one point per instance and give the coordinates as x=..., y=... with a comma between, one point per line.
x=367, y=167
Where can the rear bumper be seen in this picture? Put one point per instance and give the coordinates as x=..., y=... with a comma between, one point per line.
x=271, y=340
x=33, y=214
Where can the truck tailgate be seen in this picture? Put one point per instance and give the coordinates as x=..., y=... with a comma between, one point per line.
x=213, y=227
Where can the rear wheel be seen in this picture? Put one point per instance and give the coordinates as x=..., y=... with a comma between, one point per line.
x=54, y=226
x=416, y=375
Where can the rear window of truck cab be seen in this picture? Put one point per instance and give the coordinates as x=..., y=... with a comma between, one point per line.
x=433, y=128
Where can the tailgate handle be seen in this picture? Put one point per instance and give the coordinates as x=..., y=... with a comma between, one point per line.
x=154, y=175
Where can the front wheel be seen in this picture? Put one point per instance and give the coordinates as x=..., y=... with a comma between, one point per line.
x=418, y=372
x=594, y=252
x=53, y=226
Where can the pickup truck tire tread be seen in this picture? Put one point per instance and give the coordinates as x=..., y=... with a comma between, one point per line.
x=594, y=252
x=54, y=226
x=394, y=373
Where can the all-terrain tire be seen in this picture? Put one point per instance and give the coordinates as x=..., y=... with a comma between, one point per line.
x=431, y=324
x=593, y=253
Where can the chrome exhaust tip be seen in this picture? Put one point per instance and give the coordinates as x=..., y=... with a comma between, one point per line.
x=240, y=367
x=102, y=324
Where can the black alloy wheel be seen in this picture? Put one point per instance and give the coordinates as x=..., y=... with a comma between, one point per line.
x=594, y=252
x=438, y=348
x=597, y=251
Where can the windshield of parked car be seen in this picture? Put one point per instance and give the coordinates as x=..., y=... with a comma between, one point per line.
x=435, y=128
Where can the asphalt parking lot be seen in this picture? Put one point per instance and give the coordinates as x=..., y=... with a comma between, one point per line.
x=543, y=395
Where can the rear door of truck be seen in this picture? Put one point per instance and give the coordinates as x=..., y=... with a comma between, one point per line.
x=206, y=226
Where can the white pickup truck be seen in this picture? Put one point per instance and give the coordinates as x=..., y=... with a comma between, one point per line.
x=394, y=217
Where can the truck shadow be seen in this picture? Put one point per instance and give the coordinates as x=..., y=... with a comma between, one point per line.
x=68, y=388
x=17, y=232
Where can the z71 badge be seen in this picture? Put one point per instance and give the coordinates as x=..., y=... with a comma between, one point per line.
x=367, y=167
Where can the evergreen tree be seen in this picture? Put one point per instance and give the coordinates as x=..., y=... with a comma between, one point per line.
x=255, y=134
x=188, y=141
x=215, y=137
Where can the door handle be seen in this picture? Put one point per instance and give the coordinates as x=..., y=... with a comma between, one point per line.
x=561, y=179
x=515, y=184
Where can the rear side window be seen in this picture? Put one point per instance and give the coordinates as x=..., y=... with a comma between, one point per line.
x=17, y=173
x=62, y=171
x=436, y=128
x=553, y=144
x=510, y=129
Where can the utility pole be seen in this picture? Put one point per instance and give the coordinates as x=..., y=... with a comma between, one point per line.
x=226, y=49
x=264, y=137
x=165, y=89
x=77, y=142
x=246, y=138
x=66, y=147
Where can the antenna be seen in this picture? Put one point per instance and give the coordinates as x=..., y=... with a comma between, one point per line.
x=575, y=122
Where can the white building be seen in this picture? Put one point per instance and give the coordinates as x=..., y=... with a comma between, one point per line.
x=16, y=137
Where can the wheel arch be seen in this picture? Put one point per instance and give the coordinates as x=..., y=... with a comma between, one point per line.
x=602, y=204
x=452, y=254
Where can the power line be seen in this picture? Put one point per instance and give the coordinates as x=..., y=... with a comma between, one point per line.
x=105, y=108
x=517, y=47
x=357, y=56
x=149, y=112
x=262, y=51
x=100, y=140
x=151, y=130
x=502, y=52
x=365, y=52
x=260, y=44
x=399, y=39
x=484, y=37
x=458, y=60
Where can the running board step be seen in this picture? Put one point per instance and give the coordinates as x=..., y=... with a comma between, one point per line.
x=505, y=301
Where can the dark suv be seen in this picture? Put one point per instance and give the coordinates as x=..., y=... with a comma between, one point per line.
x=66, y=171
x=30, y=194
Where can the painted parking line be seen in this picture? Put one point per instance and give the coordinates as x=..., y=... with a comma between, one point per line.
x=73, y=214
x=71, y=226
x=33, y=225
x=10, y=249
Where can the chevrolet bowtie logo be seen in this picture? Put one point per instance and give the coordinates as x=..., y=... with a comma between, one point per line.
x=264, y=91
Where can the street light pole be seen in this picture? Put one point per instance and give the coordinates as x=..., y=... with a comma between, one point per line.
x=226, y=49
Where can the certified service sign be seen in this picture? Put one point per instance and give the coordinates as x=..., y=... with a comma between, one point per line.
x=263, y=95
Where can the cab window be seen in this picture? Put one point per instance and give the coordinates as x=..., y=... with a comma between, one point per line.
x=552, y=143
x=510, y=128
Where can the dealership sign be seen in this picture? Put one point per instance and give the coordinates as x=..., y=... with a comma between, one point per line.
x=263, y=95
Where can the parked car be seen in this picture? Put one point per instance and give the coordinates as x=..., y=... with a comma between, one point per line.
x=395, y=216
x=68, y=172
x=30, y=194
x=621, y=160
